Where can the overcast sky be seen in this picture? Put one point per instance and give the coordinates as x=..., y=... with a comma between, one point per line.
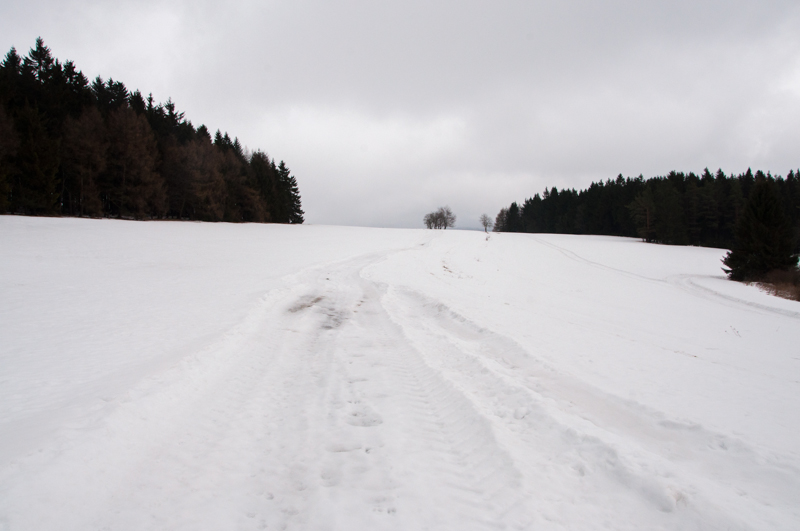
x=386, y=110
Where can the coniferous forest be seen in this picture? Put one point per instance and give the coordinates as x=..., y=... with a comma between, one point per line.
x=72, y=147
x=679, y=209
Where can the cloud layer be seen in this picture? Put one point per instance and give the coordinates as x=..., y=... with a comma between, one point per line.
x=385, y=111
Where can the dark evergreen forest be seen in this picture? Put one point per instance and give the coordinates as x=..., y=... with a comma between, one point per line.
x=680, y=209
x=72, y=147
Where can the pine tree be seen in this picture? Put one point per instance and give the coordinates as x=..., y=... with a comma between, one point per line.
x=763, y=236
x=692, y=209
x=117, y=94
x=8, y=148
x=34, y=186
x=291, y=195
x=132, y=187
x=513, y=219
x=532, y=214
x=209, y=193
x=137, y=103
x=238, y=203
x=709, y=211
x=238, y=149
x=39, y=61
x=84, y=148
x=196, y=189
x=500, y=220
x=265, y=180
x=793, y=186
x=10, y=70
x=669, y=225
x=643, y=210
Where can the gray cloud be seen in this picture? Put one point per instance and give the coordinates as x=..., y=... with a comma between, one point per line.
x=385, y=111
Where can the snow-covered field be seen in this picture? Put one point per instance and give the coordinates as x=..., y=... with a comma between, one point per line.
x=158, y=375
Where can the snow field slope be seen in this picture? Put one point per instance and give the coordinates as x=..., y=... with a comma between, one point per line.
x=195, y=376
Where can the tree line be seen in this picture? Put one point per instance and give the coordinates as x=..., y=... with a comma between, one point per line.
x=77, y=148
x=679, y=208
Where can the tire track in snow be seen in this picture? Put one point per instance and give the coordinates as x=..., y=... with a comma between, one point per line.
x=610, y=442
x=468, y=480
x=577, y=258
x=688, y=284
x=227, y=430
x=684, y=282
x=314, y=413
x=436, y=463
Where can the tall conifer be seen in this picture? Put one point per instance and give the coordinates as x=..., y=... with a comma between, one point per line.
x=763, y=236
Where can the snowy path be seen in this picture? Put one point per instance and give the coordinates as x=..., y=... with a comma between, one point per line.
x=374, y=392
x=313, y=413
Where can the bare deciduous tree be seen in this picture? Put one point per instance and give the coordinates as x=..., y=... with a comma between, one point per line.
x=441, y=219
x=486, y=222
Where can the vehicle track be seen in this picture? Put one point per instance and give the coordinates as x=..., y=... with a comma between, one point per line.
x=313, y=413
x=685, y=282
x=688, y=283
x=534, y=407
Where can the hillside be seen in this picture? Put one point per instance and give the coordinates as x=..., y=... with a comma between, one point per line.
x=162, y=375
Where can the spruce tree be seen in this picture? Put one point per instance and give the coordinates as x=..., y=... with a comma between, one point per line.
x=101, y=95
x=137, y=103
x=209, y=190
x=265, y=179
x=131, y=185
x=669, y=226
x=763, y=236
x=84, y=156
x=8, y=148
x=10, y=70
x=643, y=210
x=513, y=219
x=39, y=61
x=35, y=184
x=291, y=194
x=117, y=94
x=500, y=219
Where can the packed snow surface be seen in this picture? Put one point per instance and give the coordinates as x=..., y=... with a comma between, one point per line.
x=190, y=376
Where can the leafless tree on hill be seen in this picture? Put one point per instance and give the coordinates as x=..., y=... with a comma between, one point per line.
x=440, y=219
x=486, y=222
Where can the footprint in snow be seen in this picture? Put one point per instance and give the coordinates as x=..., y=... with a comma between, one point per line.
x=364, y=417
x=331, y=476
x=339, y=447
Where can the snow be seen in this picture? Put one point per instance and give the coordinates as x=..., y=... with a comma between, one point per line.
x=165, y=375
